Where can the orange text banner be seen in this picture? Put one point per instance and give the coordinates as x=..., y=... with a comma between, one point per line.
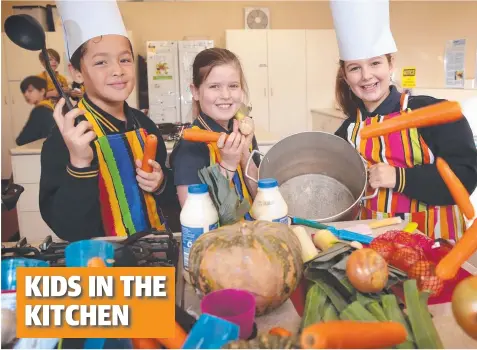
x=100, y=302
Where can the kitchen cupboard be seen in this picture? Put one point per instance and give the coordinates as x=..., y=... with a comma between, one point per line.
x=17, y=64
x=288, y=73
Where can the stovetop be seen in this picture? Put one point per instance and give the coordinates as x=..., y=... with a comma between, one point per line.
x=152, y=248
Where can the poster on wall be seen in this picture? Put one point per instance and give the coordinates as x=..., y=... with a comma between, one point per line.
x=454, y=62
x=408, y=77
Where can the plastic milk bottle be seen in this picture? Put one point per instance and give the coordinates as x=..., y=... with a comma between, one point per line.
x=269, y=204
x=198, y=216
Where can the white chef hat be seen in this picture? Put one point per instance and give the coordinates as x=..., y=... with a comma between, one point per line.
x=84, y=20
x=362, y=28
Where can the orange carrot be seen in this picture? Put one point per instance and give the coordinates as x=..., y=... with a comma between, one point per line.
x=96, y=262
x=149, y=152
x=198, y=135
x=176, y=342
x=280, y=331
x=145, y=343
x=449, y=265
x=439, y=113
x=352, y=335
x=458, y=191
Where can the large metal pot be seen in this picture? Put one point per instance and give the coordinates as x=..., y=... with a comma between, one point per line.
x=321, y=176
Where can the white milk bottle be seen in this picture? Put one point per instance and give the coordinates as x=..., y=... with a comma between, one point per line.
x=198, y=216
x=269, y=204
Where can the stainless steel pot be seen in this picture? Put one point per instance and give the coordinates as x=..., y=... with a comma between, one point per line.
x=321, y=176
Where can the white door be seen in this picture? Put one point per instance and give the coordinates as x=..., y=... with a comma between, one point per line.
x=19, y=108
x=322, y=62
x=251, y=48
x=7, y=139
x=20, y=62
x=287, y=80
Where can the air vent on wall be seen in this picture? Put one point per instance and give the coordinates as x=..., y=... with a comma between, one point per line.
x=257, y=18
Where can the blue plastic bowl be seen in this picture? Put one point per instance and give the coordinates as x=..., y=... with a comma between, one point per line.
x=9, y=270
x=78, y=254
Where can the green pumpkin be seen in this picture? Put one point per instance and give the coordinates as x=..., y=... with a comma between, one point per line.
x=261, y=257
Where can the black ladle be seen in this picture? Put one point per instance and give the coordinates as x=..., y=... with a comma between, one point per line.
x=26, y=32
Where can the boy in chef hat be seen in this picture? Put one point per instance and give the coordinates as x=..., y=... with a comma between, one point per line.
x=403, y=178
x=92, y=183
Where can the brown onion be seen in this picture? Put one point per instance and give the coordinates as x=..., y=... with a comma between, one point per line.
x=464, y=305
x=367, y=270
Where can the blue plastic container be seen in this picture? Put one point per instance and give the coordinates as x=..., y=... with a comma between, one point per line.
x=211, y=332
x=9, y=270
x=78, y=254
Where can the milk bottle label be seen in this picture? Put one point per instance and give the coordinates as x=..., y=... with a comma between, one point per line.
x=189, y=236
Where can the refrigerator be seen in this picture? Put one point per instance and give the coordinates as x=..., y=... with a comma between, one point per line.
x=169, y=75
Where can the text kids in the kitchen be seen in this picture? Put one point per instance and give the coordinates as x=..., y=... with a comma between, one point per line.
x=40, y=122
x=219, y=90
x=91, y=181
x=54, y=59
x=401, y=164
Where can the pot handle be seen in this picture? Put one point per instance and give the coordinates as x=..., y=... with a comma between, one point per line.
x=376, y=190
x=248, y=164
x=372, y=196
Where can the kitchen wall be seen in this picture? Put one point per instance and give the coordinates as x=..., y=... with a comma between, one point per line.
x=421, y=28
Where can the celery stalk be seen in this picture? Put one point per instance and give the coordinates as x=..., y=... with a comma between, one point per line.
x=425, y=333
x=330, y=313
x=376, y=310
x=355, y=311
x=314, y=302
x=336, y=298
x=394, y=313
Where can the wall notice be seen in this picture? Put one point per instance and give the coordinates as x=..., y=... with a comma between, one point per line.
x=455, y=63
x=408, y=77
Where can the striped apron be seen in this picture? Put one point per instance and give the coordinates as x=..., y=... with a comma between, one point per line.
x=125, y=207
x=238, y=180
x=403, y=149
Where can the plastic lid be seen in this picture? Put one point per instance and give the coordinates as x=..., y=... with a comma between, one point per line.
x=267, y=183
x=198, y=189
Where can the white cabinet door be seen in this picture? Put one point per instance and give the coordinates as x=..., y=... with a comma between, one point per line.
x=322, y=62
x=251, y=48
x=287, y=80
x=19, y=108
x=7, y=137
x=20, y=62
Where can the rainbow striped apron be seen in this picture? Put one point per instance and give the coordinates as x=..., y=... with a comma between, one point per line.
x=238, y=180
x=125, y=207
x=403, y=149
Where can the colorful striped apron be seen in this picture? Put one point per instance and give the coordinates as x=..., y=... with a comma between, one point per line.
x=403, y=149
x=238, y=180
x=125, y=207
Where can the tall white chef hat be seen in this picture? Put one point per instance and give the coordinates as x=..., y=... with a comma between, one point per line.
x=84, y=20
x=362, y=28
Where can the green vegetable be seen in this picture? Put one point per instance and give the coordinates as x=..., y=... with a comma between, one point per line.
x=355, y=311
x=330, y=313
x=347, y=284
x=336, y=298
x=425, y=332
x=364, y=300
x=394, y=313
x=315, y=303
x=376, y=310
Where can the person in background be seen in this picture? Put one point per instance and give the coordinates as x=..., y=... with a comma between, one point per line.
x=92, y=183
x=219, y=89
x=40, y=121
x=51, y=92
x=401, y=164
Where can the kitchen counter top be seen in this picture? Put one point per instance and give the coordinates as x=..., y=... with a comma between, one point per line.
x=331, y=112
x=30, y=148
x=286, y=316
